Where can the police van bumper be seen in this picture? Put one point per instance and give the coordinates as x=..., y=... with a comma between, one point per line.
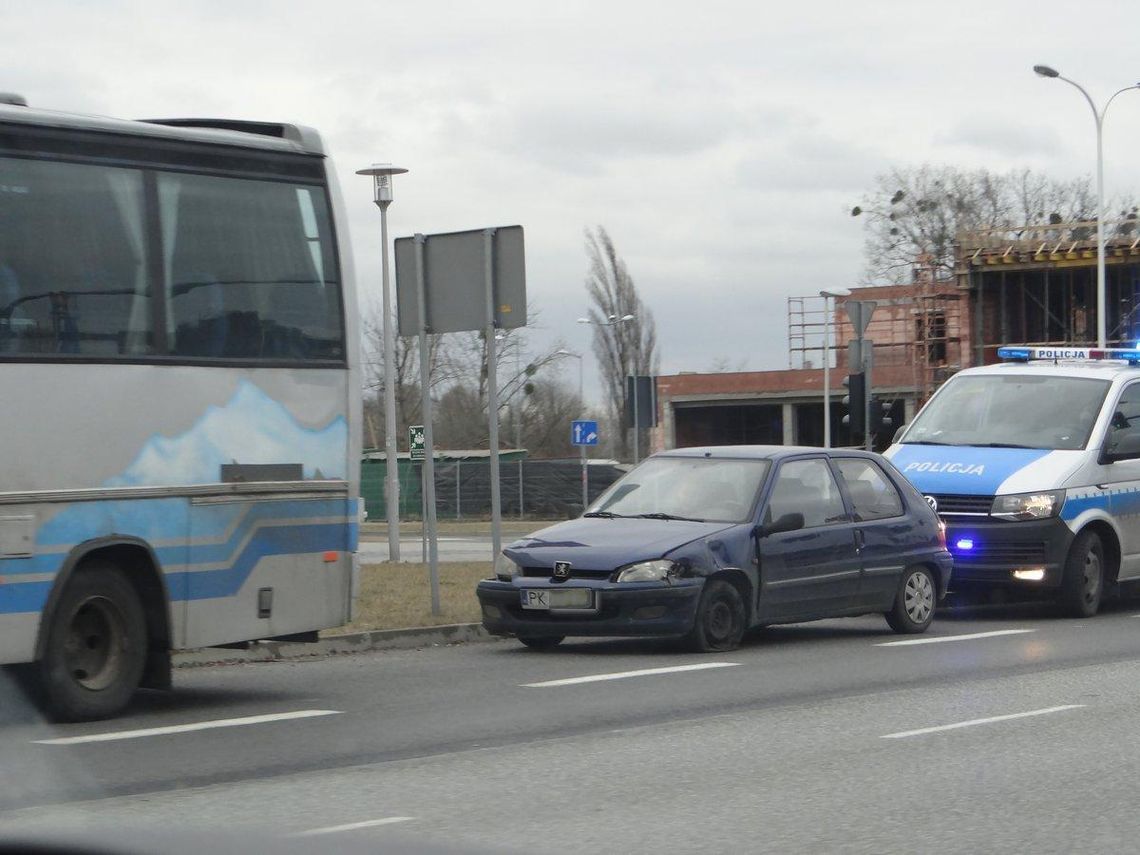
x=1023, y=555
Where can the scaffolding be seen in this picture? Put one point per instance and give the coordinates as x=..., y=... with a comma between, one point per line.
x=917, y=330
x=1037, y=284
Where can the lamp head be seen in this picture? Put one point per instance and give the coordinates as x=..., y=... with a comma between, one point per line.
x=1046, y=71
x=382, y=180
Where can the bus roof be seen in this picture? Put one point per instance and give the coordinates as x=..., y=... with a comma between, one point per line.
x=228, y=132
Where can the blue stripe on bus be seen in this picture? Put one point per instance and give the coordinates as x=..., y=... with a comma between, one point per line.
x=21, y=597
x=213, y=520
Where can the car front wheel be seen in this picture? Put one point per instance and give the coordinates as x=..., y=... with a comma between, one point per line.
x=914, y=603
x=719, y=624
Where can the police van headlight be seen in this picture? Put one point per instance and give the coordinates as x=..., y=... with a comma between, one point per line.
x=1029, y=506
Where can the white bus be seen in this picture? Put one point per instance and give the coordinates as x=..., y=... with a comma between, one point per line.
x=179, y=397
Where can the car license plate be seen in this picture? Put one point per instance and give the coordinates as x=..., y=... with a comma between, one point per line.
x=544, y=599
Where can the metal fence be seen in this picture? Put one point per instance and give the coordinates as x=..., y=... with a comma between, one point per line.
x=536, y=489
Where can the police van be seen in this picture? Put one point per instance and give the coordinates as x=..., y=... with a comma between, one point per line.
x=1033, y=465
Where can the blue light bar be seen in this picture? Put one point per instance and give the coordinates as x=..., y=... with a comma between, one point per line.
x=965, y=544
x=1070, y=354
x=1021, y=354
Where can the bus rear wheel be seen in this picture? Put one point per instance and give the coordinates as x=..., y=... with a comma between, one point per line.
x=96, y=646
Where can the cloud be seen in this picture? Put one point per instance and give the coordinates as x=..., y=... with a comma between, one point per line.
x=1001, y=137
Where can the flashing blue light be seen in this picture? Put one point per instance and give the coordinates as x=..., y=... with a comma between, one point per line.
x=965, y=544
x=1019, y=353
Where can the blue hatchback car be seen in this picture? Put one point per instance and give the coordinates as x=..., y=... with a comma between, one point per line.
x=706, y=543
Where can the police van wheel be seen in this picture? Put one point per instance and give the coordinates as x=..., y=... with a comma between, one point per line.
x=96, y=646
x=1082, y=586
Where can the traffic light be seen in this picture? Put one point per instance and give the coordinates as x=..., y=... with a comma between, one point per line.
x=881, y=418
x=855, y=401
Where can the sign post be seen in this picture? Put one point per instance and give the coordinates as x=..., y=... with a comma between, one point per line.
x=439, y=290
x=860, y=311
x=429, y=446
x=584, y=433
x=416, y=452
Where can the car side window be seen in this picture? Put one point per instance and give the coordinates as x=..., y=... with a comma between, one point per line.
x=873, y=496
x=806, y=487
x=1124, y=431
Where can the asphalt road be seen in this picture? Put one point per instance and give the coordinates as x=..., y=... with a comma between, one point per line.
x=1006, y=730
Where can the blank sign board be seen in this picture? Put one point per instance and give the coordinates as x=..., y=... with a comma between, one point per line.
x=455, y=281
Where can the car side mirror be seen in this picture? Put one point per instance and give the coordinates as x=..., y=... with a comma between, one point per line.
x=788, y=522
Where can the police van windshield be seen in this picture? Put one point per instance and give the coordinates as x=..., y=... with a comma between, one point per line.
x=1017, y=411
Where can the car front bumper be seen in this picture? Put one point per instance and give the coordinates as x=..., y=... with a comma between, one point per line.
x=634, y=609
x=988, y=552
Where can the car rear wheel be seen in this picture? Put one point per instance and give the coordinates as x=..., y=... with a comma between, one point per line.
x=719, y=624
x=914, y=603
x=1082, y=586
x=545, y=642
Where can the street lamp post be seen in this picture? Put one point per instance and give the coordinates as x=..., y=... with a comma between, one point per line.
x=581, y=403
x=828, y=295
x=1098, y=116
x=613, y=321
x=382, y=177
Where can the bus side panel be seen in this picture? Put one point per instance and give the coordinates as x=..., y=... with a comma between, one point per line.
x=284, y=567
x=63, y=531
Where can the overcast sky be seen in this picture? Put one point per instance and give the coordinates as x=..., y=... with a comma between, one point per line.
x=722, y=144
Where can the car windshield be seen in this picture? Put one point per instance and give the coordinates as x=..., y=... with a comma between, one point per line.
x=687, y=487
x=1014, y=410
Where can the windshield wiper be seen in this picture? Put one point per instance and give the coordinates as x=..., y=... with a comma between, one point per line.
x=1009, y=445
x=927, y=442
x=660, y=516
x=607, y=515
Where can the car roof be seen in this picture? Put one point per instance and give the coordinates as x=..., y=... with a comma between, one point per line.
x=759, y=452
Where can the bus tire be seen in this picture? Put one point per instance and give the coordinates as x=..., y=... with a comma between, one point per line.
x=96, y=646
x=1082, y=584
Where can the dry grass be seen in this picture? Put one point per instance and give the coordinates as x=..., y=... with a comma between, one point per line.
x=397, y=596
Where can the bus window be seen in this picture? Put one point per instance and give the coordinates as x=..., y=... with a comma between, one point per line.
x=89, y=295
x=250, y=269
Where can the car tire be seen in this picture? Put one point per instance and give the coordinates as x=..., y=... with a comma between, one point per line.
x=544, y=642
x=914, y=603
x=720, y=620
x=96, y=646
x=1082, y=585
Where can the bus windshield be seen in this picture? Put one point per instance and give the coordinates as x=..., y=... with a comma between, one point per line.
x=1014, y=410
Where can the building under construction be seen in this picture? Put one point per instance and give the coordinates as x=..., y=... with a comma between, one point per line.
x=1034, y=285
x=1037, y=285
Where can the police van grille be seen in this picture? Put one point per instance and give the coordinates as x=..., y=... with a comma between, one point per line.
x=952, y=504
x=1005, y=554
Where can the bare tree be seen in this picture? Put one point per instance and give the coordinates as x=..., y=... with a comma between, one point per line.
x=622, y=348
x=914, y=215
x=407, y=378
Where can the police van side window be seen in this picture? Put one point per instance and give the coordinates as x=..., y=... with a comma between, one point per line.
x=1124, y=430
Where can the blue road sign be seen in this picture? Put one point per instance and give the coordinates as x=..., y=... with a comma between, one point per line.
x=583, y=432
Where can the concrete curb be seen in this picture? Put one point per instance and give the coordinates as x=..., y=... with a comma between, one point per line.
x=335, y=645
